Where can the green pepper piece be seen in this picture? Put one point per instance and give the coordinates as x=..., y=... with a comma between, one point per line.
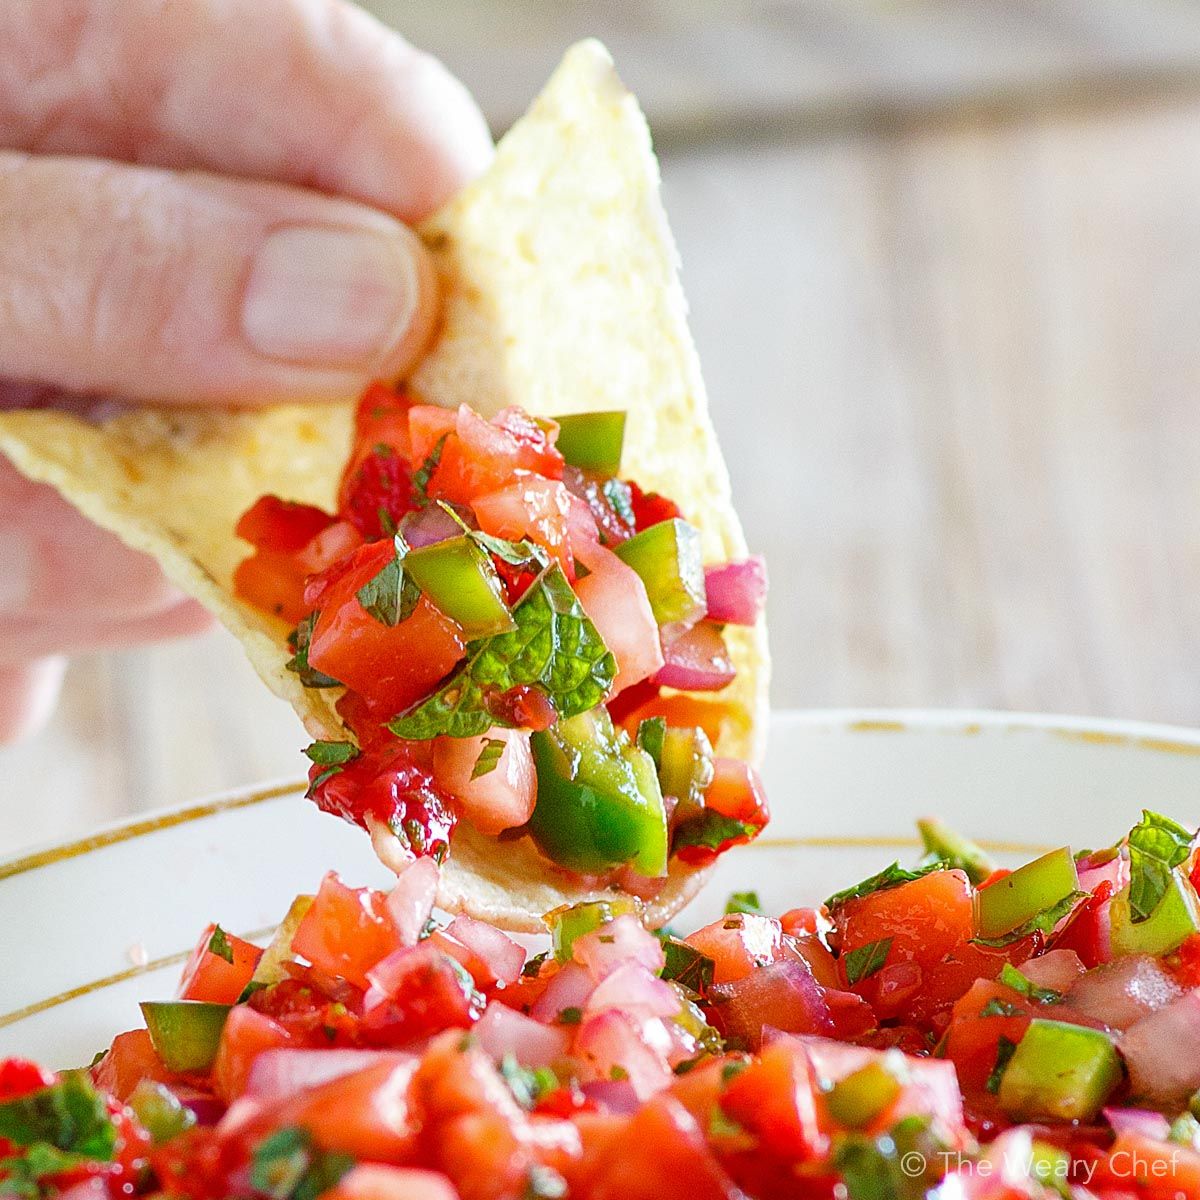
x=667, y=559
x=947, y=845
x=1050, y=1166
x=1060, y=1072
x=571, y=921
x=1010, y=902
x=1175, y=918
x=185, y=1033
x=279, y=949
x=158, y=1109
x=460, y=579
x=862, y=1096
x=598, y=802
x=685, y=763
x=592, y=441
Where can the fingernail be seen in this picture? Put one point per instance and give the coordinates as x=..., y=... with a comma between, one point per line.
x=330, y=297
x=18, y=563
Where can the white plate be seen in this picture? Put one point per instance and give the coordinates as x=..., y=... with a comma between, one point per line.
x=89, y=928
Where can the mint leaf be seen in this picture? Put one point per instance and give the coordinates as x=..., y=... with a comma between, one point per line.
x=710, y=830
x=554, y=648
x=70, y=1115
x=331, y=754
x=390, y=596
x=688, y=967
x=423, y=474
x=1042, y=922
x=1157, y=845
x=24, y=1175
x=1000, y=1008
x=299, y=639
x=526, y=1084
x=744, y=902
x=1019, y=982
x=863, y=962
x=517, y=554
x=219, y=945
x=890, y=877
x=489, y=757
x=650, y=735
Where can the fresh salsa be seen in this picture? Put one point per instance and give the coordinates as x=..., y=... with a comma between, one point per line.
x=952, y=1031
x=518, y=632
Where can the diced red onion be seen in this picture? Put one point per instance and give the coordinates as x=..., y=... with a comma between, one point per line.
x=427, y=526
x=502, y=1031
x=783, y=995
x=613, y=1095
x=499, y=953
x=737, y=591
x=569, y=987
x=206, y=1108
x=411, y=901
x=1115, y=871
x=1144, y=1122
x=1123, y=992
x=611, y=1041
x=277, y=1074
x=1057, y=970
x=696, y=661
x=624, y=940
x=635, y=989
x=1162, y=1052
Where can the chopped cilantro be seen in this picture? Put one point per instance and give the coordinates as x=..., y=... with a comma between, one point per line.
x=287, y=1166
x=423, y=474
x=555, y=648
x=1157, y=845
x=863, y=962
x=1000, y=1008
x=890, y=877
x=531, y=969
x=299, y=640
x=720, y=1124
x=70, y=1115
x=1019, y=982
x=489, y=757
x=688, y=967
x=1005, y=1049
x=744, y=902
x=219, y=945
x=618, y=1074
x=571, y=1015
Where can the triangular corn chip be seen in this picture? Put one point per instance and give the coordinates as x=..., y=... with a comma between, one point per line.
x=561, y=294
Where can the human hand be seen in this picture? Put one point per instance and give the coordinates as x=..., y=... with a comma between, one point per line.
x=202, y=202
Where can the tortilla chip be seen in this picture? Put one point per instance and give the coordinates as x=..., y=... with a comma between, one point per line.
x=561, y=295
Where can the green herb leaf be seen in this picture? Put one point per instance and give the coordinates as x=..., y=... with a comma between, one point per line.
x=571, y=1015
x=863, y=962
x=219, y=945
x=555, y=648
x=287, y=1166
x=526, y=1084
x=299, y=640
x=650, y=735
x=1157, y=845
x=489, y=757
x=25, y=1175
x=890, y=877
x=1005, y=1049
x=390, y=596
x=1019, y=982
x=743, y=902
x=70, y=1115
x=333, y=756
x=1042, y=922
x=1000, y=1008
x=688, y=967
x=711, y=830
x=423, y=474
x=533, y=967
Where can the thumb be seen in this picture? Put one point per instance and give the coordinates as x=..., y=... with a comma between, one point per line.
x=154, y=285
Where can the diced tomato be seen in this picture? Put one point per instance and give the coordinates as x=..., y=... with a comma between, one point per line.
x=130, y=1059
x=783, y=996
x=1139, y=1166
x=661, y=1152
x=522, y=707
x=346, y=931
x=1089, y=929
x=649, y=508
x=853, y=1018
x=416, y=992
x=504, y=796
x=367, y=1115
x=710, y=715
x=738, y=944
x=377, y=493
x=272, y=582
x=393, y=783
x=816, y=954
x=529, y=507
x=246, y=1035
x=210, y=976
x=382, y=418
x=973, y=1040
x=776, y=1098
x=19, y=1077
x=735, y=792
x=1184, y=963
x=281, y=525
x=391, y=666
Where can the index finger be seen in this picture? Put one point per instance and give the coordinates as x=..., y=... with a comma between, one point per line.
x=310, y=92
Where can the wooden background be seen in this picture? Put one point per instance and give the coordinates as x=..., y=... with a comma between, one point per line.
x=944, y=267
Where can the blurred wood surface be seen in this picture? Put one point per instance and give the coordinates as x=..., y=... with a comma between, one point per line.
x=954, y=358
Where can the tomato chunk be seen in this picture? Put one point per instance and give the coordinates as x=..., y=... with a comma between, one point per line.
x=219, y=969
x=346, y=931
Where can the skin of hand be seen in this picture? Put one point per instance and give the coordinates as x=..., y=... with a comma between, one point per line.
x=202, y=202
